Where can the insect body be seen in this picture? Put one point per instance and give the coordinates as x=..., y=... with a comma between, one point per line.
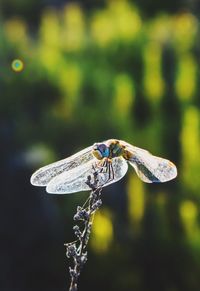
x=111, y=159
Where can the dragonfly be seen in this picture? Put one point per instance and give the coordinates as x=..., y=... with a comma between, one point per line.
x=110, y=160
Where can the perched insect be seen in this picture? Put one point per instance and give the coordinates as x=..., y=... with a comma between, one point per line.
x=110, y=159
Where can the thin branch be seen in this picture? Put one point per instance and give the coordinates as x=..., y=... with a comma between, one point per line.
x=85, y=214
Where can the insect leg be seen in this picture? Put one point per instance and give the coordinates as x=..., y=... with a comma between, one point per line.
x=110, y=171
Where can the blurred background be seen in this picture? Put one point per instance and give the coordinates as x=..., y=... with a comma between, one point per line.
x=89, y=71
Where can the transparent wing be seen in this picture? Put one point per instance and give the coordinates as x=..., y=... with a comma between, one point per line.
x=75, y=179
x=43, y=176
x=150, y=168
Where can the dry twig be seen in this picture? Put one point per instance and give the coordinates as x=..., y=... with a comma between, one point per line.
x=85, y=214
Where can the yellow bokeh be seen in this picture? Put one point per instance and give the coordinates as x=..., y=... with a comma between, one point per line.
x=189, y=213
x=124, y=95
x=73, y=29
x=136, y=200
x=190, y=141
x=16, y=32
x=120, y=21
x=159, y=29
x=184, y=31
x=51, y=59
x=186, y=79
x=102, y=232
x=50, y=29
x=190, y=135
x=126, y=18
x=102, y=28
x=153, y=82
x=69, y=81
x=64, y=30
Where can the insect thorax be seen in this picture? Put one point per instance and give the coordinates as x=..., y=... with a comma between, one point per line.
x=116, y=149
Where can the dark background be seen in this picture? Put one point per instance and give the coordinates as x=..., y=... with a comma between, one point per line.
x=95, y=70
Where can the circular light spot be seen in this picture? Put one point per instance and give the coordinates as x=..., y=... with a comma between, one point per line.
x=17, y=65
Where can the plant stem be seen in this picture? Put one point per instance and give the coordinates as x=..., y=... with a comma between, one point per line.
x=85, y=214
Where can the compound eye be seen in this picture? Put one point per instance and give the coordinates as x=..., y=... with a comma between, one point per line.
x=100, y=151
x=102, y=148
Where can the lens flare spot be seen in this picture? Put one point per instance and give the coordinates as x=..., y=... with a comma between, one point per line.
x=17, y=65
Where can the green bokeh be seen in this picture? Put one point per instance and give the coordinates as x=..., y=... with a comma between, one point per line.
x=93, y=75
